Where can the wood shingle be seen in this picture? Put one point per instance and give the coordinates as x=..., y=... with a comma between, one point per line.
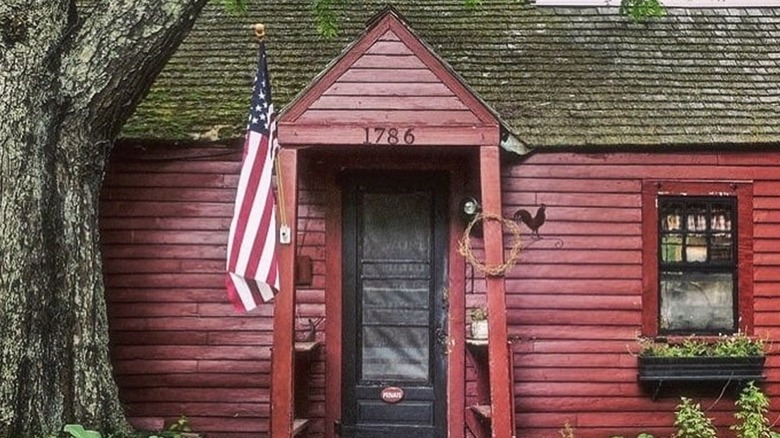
x=558, y=76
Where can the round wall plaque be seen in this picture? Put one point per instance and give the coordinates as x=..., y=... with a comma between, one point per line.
x=392, y=394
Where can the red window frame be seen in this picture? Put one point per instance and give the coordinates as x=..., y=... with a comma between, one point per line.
x=743, y=192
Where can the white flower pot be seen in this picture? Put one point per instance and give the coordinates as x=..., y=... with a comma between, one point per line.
x=479, y=329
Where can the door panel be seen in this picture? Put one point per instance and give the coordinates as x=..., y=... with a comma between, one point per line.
x=394, y=309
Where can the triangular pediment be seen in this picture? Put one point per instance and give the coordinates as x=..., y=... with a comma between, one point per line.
x=388, y=87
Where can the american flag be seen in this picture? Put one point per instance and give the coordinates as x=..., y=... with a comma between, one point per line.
x=252, y=265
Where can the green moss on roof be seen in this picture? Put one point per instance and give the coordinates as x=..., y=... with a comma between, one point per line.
x=557, y=76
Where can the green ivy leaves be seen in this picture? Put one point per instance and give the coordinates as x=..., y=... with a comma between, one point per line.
x=641, y=10
x=327, y=17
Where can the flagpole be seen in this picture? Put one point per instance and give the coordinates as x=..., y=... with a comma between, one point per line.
x=259, y=30
x=282, y=362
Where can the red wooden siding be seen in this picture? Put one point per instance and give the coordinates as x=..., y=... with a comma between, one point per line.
x=389, y=83
x=178, y=346
x=575, y=299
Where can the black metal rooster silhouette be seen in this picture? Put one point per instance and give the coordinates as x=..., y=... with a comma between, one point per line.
x=532, y=222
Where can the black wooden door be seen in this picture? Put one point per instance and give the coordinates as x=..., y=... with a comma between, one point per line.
x=395, y=262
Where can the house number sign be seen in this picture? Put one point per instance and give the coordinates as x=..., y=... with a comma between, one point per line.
x=381, y=135
x=392, y=394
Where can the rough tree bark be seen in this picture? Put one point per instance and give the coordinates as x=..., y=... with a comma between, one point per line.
x=71, y=72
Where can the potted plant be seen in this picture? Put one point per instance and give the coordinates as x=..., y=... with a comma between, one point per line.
x=479, y=323
x=736, y=358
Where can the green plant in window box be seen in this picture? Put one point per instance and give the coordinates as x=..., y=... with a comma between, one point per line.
x=739, y=345
x=735, y=345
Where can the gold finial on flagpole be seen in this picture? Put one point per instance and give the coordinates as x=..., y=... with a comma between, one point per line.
x=259, y=29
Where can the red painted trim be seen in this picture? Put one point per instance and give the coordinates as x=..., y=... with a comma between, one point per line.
x=296, y=134
x=501, y=395
x=745, y=256
x=743, y=191
x=333, y=307
x=333, y=283
x=649, y=260
x=282, y=361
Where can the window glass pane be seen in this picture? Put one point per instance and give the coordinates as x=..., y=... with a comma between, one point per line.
x=671, y=248
x=396, y=226
x=696, y=248
x=395, y=283
x=697, y=302
x=395, y=353
x=696, y=217
x=387, y=301
x=722, y=248
x=671, y=216
x=721, y=217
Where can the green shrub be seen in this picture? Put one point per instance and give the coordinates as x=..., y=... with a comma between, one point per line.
x=78, y=431
x=752, y=407
x=691, y=421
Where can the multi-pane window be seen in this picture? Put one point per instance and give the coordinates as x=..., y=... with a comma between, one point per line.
x=697, y=257
x=697, y=264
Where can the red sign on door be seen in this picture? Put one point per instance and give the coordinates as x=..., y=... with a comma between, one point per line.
x=392, y=394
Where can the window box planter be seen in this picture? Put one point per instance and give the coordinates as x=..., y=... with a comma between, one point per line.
x=728, y=359
x=654, y=369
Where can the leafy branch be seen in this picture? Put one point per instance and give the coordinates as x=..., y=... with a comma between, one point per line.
x=641, y=10
x=327, y=16
x=238, y=7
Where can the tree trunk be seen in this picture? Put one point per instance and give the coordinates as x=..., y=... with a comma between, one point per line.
x=69, y=79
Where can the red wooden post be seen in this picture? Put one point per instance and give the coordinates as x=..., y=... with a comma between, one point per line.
x=283, y=365
x=498, y=352
x=457, y=305
x=333, y=306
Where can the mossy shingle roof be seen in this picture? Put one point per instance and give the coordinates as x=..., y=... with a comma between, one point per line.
x=558, y=76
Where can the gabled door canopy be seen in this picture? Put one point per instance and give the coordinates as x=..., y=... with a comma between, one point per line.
x=388, y=79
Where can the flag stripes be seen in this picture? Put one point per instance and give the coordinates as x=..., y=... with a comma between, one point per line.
x=252, y=264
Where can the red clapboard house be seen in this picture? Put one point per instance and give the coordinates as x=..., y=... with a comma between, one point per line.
x=646, y=156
